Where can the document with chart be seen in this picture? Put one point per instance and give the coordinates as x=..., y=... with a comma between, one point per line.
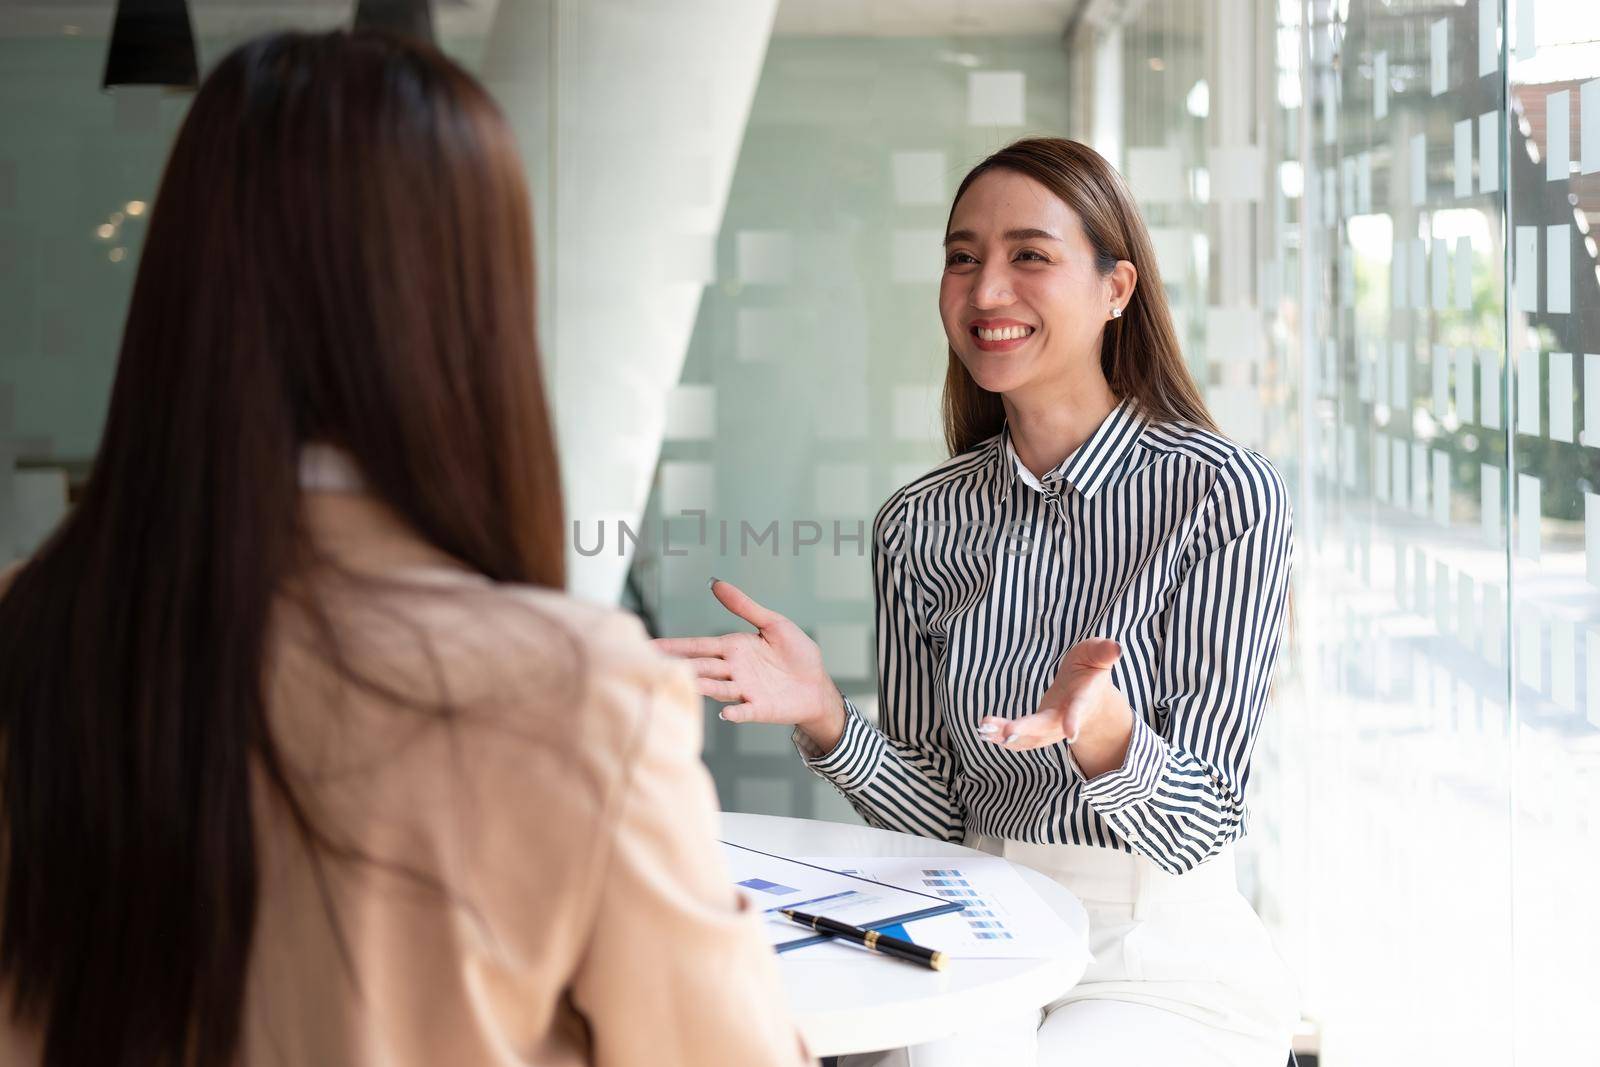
x=772, y=883
x=1001, y=915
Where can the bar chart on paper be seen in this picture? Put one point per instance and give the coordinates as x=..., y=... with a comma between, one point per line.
x=773, y=883
x=1001, y=916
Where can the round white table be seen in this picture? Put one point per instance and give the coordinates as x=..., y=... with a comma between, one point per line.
x=844, y=1006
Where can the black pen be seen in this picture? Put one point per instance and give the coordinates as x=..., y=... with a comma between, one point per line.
x=871, y=940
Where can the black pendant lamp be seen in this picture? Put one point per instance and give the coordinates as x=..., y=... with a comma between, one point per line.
x=152, y=43
x=412, y=17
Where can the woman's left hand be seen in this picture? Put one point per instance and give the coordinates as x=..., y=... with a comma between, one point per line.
x=1081, y=707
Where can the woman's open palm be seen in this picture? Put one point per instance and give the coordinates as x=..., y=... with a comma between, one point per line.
x=1068, y=705
x=774, y=675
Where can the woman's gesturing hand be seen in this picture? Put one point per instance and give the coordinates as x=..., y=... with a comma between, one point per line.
x=774, y=675
x=1081, y=707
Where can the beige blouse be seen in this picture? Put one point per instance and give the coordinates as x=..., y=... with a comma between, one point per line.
x=524, y=866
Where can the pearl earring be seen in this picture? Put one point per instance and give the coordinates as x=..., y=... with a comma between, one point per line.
x=1116, y=312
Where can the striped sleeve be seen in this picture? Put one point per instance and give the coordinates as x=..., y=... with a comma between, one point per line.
x=1179, y=795
x=897, y=775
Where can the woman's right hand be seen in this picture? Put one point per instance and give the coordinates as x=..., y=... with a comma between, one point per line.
x=774, y=675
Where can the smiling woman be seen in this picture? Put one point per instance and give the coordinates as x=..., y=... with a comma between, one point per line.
x=1092, y=260
x=1082, y=694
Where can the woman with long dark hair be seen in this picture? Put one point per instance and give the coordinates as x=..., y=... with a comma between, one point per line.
x=1078, y=616
x=304, y=759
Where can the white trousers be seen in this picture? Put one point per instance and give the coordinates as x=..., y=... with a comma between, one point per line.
x=1183, y=973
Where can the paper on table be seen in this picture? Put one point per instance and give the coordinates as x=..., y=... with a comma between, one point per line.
x=774, y=882
x=1003, y=917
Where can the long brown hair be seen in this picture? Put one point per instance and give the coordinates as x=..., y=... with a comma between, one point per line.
x=340, y=252
x=1140, y=354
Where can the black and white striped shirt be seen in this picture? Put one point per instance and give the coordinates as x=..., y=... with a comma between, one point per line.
x=1165, y=537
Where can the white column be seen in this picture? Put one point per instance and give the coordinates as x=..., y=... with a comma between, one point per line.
x=1108, y=92
x=631, y=116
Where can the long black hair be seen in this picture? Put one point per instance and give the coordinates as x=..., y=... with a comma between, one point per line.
x=340, y=252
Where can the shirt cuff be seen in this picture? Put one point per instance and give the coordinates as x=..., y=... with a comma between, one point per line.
x=1135, y=781
x=854, y=760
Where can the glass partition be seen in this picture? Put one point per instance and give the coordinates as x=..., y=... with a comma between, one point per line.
x=1552, y=169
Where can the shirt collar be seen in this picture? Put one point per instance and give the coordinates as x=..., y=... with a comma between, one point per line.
x=1091, y=464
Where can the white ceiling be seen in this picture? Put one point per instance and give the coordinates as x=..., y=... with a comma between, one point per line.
x=922, y=18
x=831, y=18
